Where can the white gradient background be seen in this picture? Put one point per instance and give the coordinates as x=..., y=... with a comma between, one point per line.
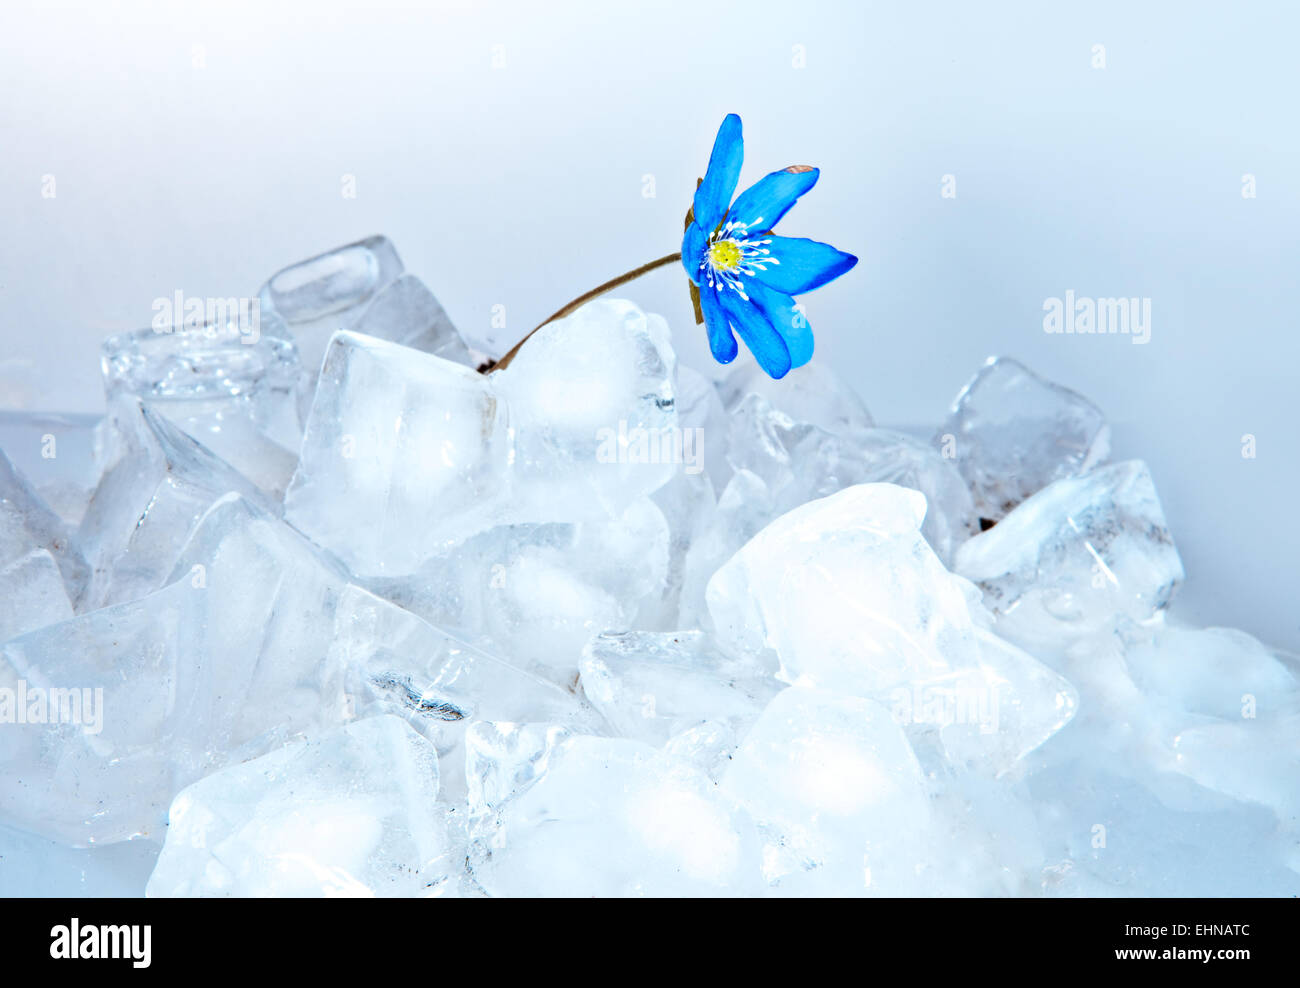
x=522, y=186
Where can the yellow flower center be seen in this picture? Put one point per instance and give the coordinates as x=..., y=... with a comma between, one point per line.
x=724, y=255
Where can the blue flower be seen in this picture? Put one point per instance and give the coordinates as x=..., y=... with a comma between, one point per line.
x=743, y=274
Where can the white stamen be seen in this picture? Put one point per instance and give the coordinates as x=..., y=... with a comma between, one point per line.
x=753, y=256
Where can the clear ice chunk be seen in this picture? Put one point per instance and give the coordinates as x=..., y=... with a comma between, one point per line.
x=699, y=408
x=256, y=669
x=353, y=813
x=418, y=446
x=329, y=292
x=768, y=420
x=394, y=433
x=547, y=600
x=687, y=503
x=536, y=593
x=592, y=404
x=810, y=395
x=838, y=794
x=27, y=523
x=743, y=509
x=822, y=464
x=227, y=661
x=760, y=439
x=406, y=312
x=399, y=664
x=652, y=686
x=90, y=763
x=1077, y=557
x=147, y=503
x=562, y=815
x=60, y=455
x=800, y=461
x=32, y=595
x=1013, y=433
x=989, y=718
x=232, y=387
x=848, y=593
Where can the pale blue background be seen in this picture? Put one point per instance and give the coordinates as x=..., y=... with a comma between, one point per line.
x=522, y=186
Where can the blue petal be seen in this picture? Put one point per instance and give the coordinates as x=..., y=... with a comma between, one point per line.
x=767, y=200
x=779, y=309
x=721, y=342
x=693, y=245
x=764, y=342
x=713, y=195
x=803, y=265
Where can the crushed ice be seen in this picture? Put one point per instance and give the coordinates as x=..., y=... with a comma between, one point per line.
x=396, y=627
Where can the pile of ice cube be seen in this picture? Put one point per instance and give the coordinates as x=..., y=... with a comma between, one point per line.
x=330, y=612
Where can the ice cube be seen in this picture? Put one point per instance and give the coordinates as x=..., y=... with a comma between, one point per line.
x=561, y=815
x=651, y=686
x=32, y=594
x=329, y=292
x=227, y=661
x=991, y=717
x=743, y=509
x=90, y=763
x=799, y=461
x=822, y=464
x=58, y=454
x=810, y=395
x=848, y=593
x=592, y=405
x=708, y=745
x=769, y=422
x=232, y=387
x=699, y=408
x=418, y=446
x=760, y=439
x=1077, y=556
x=147, y=504
x=352, y=813
x=1013, y=433
x=406, y=312
x=687, y=503
x=548, y=600
x=432, y=453
x=257, y=668
x=536, y=593
x=838, y=793
x=399, y=664
x=27, y=523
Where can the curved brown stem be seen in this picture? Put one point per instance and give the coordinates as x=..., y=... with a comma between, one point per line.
x=582, y=300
